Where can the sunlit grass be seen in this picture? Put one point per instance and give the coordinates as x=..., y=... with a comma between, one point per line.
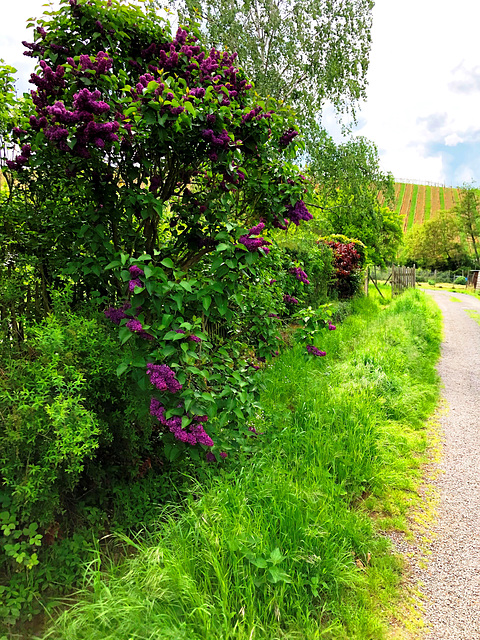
x=282, y=544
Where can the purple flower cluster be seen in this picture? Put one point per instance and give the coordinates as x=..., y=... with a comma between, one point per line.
x=287, y=137
x=298, y=212
x=300, y=275
x=222, y=141
x=193, y=434
x=134, y=325
x=194, y=339
x=117, y=315
x=21, y=160
x=56, y=119
x=210, y=457
x=288, y=299
x=331, y=327
x=273, y=315
x=216, y=68
x=135, y=271
x=135, y=282
x=49, y=84
x=100, y=64
x=163, y=378
x=314, y=351
x=32, y=49
x=279, y=225
x=257, y=114
x=254, y=244
x=254, y=231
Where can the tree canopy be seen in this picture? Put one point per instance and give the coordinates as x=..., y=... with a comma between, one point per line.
x=300, y=51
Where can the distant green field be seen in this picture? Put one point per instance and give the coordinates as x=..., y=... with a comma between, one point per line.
x=423, y=202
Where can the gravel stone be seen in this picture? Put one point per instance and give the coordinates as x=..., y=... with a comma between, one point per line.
x=446, y=566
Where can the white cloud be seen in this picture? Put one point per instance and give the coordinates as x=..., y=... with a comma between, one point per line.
x=453, y=139
x=424, y=58
x=13, y=30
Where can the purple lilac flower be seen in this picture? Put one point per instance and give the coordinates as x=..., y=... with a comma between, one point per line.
x=223, y=454
x=163, y=378
x=331, y=327
x=254, y=231
x=314, y=351
x=253, y=244
x=134, y=325
x=210, y=457
x=193, y=434
x=253, y=430
x=288, y=299
x=298, y=212
x=134, y=283
x=273, y=315
x=179, y=331
x=115, y=315
x=287, y=137
x=300, y=275
x=135, y=271
x=194, y=339
x=272, y=281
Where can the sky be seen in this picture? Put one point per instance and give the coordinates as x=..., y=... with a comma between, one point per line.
x=423, y=98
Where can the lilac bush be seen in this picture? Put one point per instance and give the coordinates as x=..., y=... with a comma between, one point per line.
x=179, y=173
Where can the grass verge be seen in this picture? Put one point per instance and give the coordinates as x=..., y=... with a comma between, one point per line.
x=283, y=544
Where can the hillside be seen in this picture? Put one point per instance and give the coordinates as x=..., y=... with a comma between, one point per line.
x=418, y=202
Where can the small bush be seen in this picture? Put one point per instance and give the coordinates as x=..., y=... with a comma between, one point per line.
x=460, y=280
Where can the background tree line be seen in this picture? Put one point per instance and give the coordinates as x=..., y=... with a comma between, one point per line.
x=451, y=239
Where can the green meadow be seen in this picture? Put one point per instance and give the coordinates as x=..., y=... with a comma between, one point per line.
x=288, y=542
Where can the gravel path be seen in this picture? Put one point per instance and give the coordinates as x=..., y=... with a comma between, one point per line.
x=450, y=579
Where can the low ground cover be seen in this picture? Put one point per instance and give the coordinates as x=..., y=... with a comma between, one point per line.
x=282, y=543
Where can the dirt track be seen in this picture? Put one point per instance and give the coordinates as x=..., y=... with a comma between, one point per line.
x=451, y=578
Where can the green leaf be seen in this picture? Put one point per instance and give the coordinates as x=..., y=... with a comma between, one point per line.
x=186, y=285
x=168, y=262
x=113, y=264
x=122, y=367
x=178, y=297
x=275, y=574
x=190, y=108
x=222, y=246
x=125, y=334
x=207, y=301
x=276, y=556
x=259, y=562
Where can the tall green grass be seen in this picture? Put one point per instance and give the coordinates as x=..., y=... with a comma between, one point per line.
x=281, y=544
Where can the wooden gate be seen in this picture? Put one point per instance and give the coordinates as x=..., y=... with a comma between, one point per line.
x=402, y=278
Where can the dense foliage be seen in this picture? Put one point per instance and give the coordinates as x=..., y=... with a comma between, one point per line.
x=436, y=244
x=283, y=547
x=153, y=258
x=146, y=177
